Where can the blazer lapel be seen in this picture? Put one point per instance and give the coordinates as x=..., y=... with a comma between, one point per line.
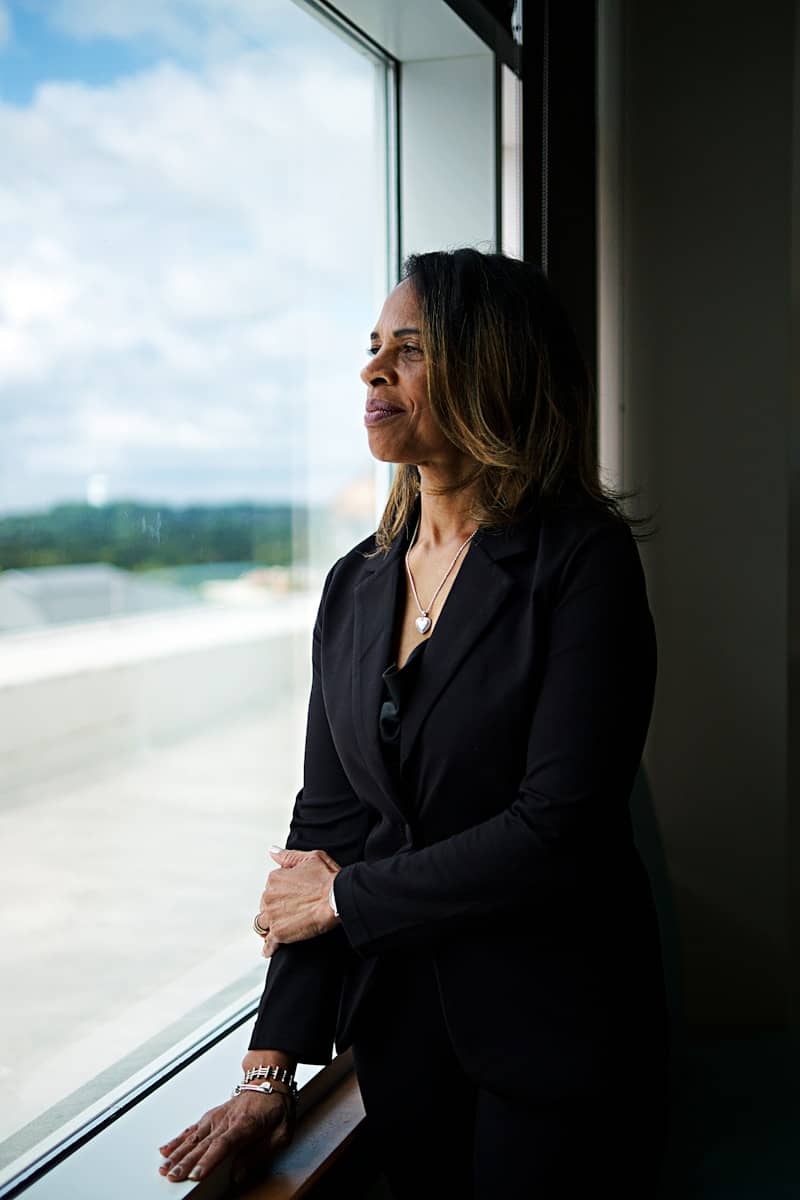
x=475, y=601
x=374, y=612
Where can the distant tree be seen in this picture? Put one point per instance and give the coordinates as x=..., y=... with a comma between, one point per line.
x=142, y=537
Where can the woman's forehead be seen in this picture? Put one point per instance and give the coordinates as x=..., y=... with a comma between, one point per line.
x=400, y=308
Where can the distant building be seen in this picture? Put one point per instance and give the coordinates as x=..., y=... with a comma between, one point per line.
x=40, y=596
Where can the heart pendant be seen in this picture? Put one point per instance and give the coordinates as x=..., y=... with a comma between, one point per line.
x=423, y=624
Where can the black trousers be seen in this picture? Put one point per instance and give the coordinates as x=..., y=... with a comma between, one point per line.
x=438, y=1134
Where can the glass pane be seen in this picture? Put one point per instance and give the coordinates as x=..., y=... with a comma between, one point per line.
x=193, y=216
x=511, y=100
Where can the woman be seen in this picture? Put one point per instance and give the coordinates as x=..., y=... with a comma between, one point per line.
x=460, y=898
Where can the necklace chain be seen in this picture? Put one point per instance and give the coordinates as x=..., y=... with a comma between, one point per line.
x=423, y=622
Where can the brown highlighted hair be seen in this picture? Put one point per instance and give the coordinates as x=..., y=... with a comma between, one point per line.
x=508, y=386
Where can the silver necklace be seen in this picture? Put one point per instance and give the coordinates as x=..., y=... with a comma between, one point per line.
x=423, y=621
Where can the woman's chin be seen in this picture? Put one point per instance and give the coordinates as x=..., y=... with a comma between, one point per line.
x=382, y=447
x=379, y=454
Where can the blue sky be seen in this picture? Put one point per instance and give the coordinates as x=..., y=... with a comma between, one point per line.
x=191, y=249
x=36, y=50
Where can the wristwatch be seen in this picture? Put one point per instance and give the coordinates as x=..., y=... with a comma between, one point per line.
x=332, y=902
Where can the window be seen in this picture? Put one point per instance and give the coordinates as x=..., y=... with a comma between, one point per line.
x=193, y=246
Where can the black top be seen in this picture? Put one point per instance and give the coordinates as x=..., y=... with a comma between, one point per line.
x=398, y=683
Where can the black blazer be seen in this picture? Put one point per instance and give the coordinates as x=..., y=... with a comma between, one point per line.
x=505, y=850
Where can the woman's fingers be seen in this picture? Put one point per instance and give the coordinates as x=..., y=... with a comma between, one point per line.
x=168, y=1147
x=244, y=1132
x=227, y=1130
x=293, y=858
x=184, y=1156
x=270, y=945
x=181, y=1152
x=326, y=858
x=224, y=1146
x=289, y=858
x=293, y=906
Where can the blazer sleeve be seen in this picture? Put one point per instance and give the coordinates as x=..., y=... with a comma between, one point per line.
x=299, y=1004
x=585, y=743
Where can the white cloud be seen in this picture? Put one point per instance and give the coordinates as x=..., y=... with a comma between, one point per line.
x=180, y=254
x=221, y=429
x=28, y=294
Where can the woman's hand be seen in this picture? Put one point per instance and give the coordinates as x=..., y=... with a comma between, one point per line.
x=294, y=903
x=242, y=1125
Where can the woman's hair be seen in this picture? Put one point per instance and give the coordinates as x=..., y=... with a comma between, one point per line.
x=508, y=386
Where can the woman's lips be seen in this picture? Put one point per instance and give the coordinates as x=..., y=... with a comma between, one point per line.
x=375, y=414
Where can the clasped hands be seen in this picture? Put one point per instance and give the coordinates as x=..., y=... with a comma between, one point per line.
x=294, y=904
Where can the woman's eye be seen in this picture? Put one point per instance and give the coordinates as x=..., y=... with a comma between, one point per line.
x=408, y=348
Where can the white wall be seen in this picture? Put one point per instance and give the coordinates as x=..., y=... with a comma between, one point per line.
x=447, y=122
x=447, y=163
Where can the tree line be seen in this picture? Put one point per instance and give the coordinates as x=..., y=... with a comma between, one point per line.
x=141, y=537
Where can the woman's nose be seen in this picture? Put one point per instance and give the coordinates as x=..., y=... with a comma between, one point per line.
x=374, y=371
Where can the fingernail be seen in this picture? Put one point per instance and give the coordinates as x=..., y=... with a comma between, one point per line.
x=277, y=847
x=177, y=1171
x=195, y=1172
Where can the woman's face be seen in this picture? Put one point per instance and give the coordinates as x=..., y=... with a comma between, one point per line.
x=400, y=425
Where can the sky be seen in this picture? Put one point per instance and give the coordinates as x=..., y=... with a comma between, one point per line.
x=191, y=251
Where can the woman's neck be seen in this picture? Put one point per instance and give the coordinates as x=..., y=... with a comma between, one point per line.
x=444, y=517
